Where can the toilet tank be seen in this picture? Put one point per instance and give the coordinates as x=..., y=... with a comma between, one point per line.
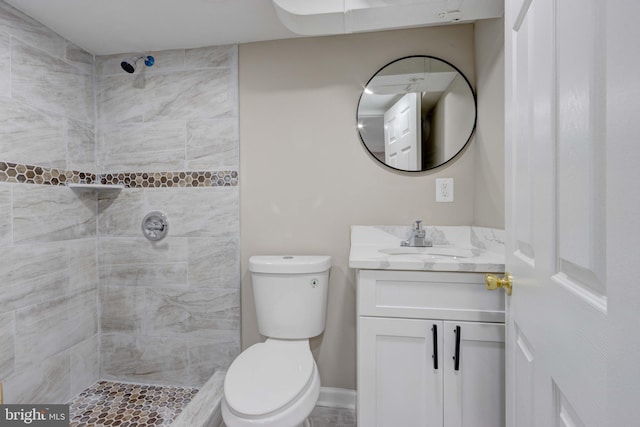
x=290, y=294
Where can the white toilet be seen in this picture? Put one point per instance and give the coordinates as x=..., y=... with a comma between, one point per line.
x=276, y=383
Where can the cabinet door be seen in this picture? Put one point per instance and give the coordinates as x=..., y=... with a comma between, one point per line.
x=398, y=383
x=474, y=393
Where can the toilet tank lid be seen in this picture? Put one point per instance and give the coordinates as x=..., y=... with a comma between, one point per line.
x=288, y=264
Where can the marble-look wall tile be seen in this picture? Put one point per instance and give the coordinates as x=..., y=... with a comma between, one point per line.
x=165, y=61
x=32, y=274
x=50, y=83
x=212, y=144
x=45, y=329
x=79, y=57
x=81, y=147
x=82, y=317
x=85, y=364
x=29, y=30
x=21, y=293
x=142, y=147
x=118, y=100
x=82, y=265
x=7, y=349
x=47, y=382
x=31, y=136
x=191, y=95
x=152, y=360
x=201, y=312
x=122, y=309
x=110, y=64
x=216, y=212
x=142, y=251
x=208, y=355
x=139, y=262
x=170, y=308
x=211, y=57
x=204, y=410
x=5, y=65
x=214, y=262
x=5, y=216
x=50, y=213
x=120, y=213
x=171, y=274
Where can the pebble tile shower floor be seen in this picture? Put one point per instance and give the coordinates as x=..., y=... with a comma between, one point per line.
x=108, y=403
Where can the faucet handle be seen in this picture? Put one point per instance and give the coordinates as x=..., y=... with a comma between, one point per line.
x=417, y=225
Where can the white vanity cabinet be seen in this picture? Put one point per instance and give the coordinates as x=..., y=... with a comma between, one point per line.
x=411, y=324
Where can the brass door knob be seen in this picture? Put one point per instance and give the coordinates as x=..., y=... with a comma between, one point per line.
x=493, y=282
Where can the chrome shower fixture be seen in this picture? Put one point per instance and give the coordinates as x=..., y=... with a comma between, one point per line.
x=129, y=64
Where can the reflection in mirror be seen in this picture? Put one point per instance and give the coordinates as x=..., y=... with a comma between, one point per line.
x=416, y=113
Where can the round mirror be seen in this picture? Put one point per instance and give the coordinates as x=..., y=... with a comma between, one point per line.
x=416, y=113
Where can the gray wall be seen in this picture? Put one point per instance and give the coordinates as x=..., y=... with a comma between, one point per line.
x=171, y=309
x=48, y=292
x=489, y=141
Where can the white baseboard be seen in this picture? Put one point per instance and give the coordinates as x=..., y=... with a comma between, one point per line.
x=337, y=398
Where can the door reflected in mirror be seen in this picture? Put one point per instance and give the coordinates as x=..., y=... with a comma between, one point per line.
x=416, y=113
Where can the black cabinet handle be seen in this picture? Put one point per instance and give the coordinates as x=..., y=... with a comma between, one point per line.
x=434, y=332
x=456, y=358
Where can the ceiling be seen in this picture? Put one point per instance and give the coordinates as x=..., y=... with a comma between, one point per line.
x=105, y=27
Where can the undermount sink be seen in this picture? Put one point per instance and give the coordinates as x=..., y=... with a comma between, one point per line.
x=432, y=253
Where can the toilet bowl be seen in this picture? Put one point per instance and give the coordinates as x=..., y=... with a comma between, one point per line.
x=276, y=383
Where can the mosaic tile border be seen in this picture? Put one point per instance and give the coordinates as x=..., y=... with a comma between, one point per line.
x=172, y=179
x=30, y=174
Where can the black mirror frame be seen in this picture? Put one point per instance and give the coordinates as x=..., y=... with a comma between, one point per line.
x=471, y=134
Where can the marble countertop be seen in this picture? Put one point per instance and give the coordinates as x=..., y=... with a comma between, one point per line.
x=455, y=248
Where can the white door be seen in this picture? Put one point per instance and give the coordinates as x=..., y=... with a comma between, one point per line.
x=474, y=375
x=399, y=383
x=402, y=134
x=623, y=208
x=556, y=142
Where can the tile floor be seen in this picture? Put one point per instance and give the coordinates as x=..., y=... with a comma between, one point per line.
x=108, y=403
x=332, y=417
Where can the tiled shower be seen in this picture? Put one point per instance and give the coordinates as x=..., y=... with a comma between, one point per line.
x=84, y=296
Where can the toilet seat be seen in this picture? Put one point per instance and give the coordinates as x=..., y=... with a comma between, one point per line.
x=268, y=376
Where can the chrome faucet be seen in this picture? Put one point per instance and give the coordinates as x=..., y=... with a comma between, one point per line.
x=418, y=236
